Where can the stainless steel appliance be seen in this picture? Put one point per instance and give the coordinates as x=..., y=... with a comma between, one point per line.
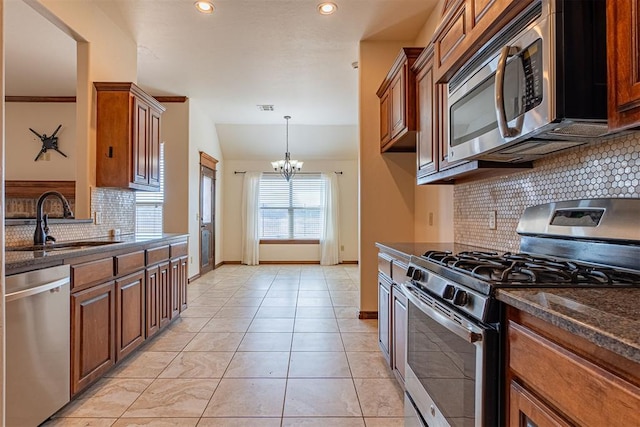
x=537, y=87
x=37, y=343
x=454, y=321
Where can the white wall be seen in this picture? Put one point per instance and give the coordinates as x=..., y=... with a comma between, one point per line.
x=22, y=145
x=203, y=137
x=348, y=183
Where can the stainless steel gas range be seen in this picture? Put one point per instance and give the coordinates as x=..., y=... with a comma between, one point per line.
x=454, y=343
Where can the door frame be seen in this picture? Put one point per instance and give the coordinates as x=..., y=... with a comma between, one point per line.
x=209, y=162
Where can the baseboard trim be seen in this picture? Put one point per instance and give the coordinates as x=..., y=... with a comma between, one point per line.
x=367, y=315
x=349, y=262
x=218, y=265
x=231, y=262
x=193, y=278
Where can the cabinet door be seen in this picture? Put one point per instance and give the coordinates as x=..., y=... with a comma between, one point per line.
x=384, y=305
x=164, y=297
x=385, y=117
x=154, y=148
x=174, y=285
x=623, y=35
x=152, y=301
x=527, y=411
x=140, y=142
x=184, y=273
x=93, y=334
x=399, y=333
x=427, y=136
x=397, y=107
x=130, y=309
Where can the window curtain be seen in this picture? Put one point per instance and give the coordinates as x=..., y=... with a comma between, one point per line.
x=329, y=234
x=250, y=215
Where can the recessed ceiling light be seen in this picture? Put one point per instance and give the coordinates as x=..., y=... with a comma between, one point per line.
x=204, y=6
x=327, y=8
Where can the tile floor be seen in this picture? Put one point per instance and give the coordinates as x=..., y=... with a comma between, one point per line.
x=258, y=346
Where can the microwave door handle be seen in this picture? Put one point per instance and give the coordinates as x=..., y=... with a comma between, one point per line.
x=503, y=125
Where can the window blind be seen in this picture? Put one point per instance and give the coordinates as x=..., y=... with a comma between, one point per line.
x=149, y=206
x=290, y=210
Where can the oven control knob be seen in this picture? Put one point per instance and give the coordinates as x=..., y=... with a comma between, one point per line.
x=460, y=298
x=449, y=292
x=417, y=274
x=410, y=271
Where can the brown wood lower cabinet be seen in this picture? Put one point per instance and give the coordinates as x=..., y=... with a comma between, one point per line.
x=184, y=280
x=175, y=288
x=130, y=313
x=93, y=323
x=558, y=379
x=153, y=297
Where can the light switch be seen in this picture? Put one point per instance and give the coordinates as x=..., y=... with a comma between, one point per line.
x=492, y=220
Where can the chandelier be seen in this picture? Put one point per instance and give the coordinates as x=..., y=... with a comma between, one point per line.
x=287, y=167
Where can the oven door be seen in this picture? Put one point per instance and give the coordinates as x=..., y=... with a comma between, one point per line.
x=452, y=364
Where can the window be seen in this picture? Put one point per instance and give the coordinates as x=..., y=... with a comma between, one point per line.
x=149, y=207
x=290, y=210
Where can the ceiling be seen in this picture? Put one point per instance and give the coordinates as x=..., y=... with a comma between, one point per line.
x=247, y=53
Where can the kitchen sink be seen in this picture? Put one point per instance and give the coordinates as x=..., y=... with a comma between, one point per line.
x=59, y=246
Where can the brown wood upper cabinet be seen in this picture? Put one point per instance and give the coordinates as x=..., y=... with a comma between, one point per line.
x=397, y=104
x=128, y=137
x=623, y=35
x=465, y=26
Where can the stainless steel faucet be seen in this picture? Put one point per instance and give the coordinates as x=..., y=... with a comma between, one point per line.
x=40, y=236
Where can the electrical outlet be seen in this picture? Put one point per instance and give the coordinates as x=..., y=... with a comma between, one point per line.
x=492, y=220
x=97, y=217
x=430, y=218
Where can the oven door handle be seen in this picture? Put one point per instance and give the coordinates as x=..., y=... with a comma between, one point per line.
x=503, y=125
x=471, y=334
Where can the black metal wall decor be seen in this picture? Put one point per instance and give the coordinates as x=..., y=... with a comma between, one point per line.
x=48, y=142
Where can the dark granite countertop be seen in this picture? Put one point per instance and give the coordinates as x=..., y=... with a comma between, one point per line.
x=21, y=261
x=610, y=318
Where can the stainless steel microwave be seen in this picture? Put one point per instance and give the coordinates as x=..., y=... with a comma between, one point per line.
x=537, y=87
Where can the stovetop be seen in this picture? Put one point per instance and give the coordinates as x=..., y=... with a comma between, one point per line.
x=521, y=269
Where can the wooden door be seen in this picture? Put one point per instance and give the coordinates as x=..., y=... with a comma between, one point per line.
x=130, y=310
x=384, y=304
x=399, y=357
x=385, y=119
x=154, y=147
x=153, y=301
x=164, y=296
x=183, y=274
x=398, y=112
x=174, y=287
x=92, y=334
x=526, y=410
x=427, y=136
x=207, y=213
x=140, y=143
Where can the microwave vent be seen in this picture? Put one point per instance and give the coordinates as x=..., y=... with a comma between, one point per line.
x=589, y=130
x=538, y=148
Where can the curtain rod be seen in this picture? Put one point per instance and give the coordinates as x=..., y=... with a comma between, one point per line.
x=297, y=173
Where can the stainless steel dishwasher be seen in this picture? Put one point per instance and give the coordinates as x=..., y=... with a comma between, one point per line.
x=37, y=343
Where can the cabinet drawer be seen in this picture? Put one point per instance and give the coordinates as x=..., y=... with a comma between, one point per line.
x=578, y=388
x=178, y=249
x=90, y=273
x=384, y=264
x=157, y=255
x=398, y=271
x=129, y=262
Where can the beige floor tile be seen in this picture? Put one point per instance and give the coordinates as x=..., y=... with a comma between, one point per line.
x=313, y=294
x=257, y=286
x=198, y=364
x=282, y=293
x=368, y=364
x=227, y=325
x=323, y=422
x=266, y=341
x=321, y=364
x=316, y=325
x=109, y=397
x=209, y=301
x=255, y=397
x=318, y=285
x=346, y=312
x=188, y=324
x=358, y=325
x=243, y=302
x=321, y=397
x=236, y=312
x=212, y=293
x=173, y=398
x=384, y=422
x=245, y=292
x=282, y=284
x=215, y=341
x=156, y=422
x=315, y=313
x=314, y=302
x=79, y=422
x=239, y=422
x=146, y=364
x=360, y=341
x=278, y=312
x=201, y=311
x=169, y=341
x=279, y=302
x=317, y=341
x=380, y=397
x=271, y=325
x=258, y=364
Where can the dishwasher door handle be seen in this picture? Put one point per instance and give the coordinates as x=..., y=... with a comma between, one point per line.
x=37, y=290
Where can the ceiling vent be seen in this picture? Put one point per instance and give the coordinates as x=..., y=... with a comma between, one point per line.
x=265, y=107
